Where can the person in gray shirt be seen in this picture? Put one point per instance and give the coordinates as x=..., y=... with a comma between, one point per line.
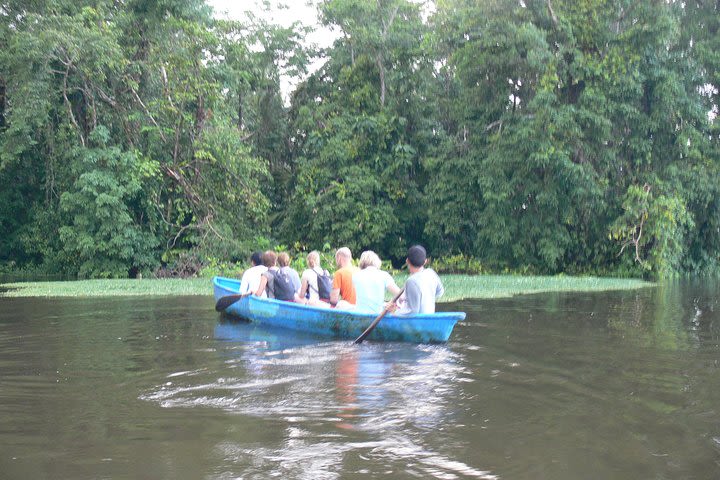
x=422, y=287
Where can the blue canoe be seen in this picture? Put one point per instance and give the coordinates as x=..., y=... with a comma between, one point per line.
x=426, y=328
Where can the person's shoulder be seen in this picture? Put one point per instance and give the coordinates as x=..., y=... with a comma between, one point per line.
x=433, y=276
x=432, y=272
x=359, y=274
x=427, y=275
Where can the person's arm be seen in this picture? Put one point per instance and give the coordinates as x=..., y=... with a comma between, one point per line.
x=412, y=299
x=244, y=284
x=304, y=285
x=334, y=296
x=335, y=293
x=261, y=287
x=439, y=289
x=392, y=286
x=295, y=279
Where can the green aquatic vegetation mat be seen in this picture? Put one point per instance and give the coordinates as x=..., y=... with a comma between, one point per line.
x=108, y=288
x=457, y=287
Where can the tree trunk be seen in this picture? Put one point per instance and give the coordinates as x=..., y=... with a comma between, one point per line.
x=553, y=17
x=2, y=103
x=380, y=63
x=381, y=69
x=240, y=111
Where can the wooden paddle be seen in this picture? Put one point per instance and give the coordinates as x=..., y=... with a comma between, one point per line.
x=227, y=300
x=377, y=320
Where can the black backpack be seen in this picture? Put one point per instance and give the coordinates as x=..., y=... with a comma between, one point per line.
x=324, y=281
x=283, y=286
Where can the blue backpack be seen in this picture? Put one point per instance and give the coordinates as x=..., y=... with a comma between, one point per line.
x=324, y=281
x=283, y=287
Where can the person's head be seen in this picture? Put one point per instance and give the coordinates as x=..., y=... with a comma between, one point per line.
x=256, y=259
x=416, y=256
x=283, y=259
x=343, y=257
x=313, y=259
x=369, y=259
x=269, y=258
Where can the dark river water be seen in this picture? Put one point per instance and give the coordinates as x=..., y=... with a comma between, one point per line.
x=617, y=385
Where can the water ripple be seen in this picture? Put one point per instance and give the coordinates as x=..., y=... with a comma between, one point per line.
x=340, y=404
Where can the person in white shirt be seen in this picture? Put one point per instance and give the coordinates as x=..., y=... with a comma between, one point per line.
x=309, y=289
x=370, y=284
x=422, y=287
x=250, y=280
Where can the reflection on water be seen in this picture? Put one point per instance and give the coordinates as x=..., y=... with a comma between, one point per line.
x=368, y=403
x=618, y=385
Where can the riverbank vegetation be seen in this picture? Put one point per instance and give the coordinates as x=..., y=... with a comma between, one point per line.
x=536, y=137
x=457, y=286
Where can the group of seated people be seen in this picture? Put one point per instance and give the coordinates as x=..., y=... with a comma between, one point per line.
x=359, y=288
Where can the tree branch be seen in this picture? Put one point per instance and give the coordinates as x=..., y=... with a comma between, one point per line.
x=147, y=112
x=553, y=17
x=69, y=105
x=496, y=123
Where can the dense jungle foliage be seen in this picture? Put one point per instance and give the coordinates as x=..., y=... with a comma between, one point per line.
x=538, y=136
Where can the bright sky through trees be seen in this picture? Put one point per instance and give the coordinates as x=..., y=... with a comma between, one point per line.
x=285, y=15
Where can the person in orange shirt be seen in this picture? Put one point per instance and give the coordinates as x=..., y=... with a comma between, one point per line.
x=343, y=292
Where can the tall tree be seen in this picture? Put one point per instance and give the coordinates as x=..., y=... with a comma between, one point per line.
x=565, y=109
x=146, y=75
x=384, y=31
x=356, y=124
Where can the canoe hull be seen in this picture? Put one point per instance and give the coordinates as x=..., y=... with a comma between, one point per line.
x=431, y=328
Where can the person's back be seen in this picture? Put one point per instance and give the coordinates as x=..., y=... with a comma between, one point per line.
x=421, y=290
x=269, y=275
x=294, y=277
x=342, y=280
x=370, y=284
x=316, y=289
x=422, y=287
x=282, y=291
x=310, y=277
x=343, y=287
x=315, y=283
x=250, y=280
x=267, y=279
